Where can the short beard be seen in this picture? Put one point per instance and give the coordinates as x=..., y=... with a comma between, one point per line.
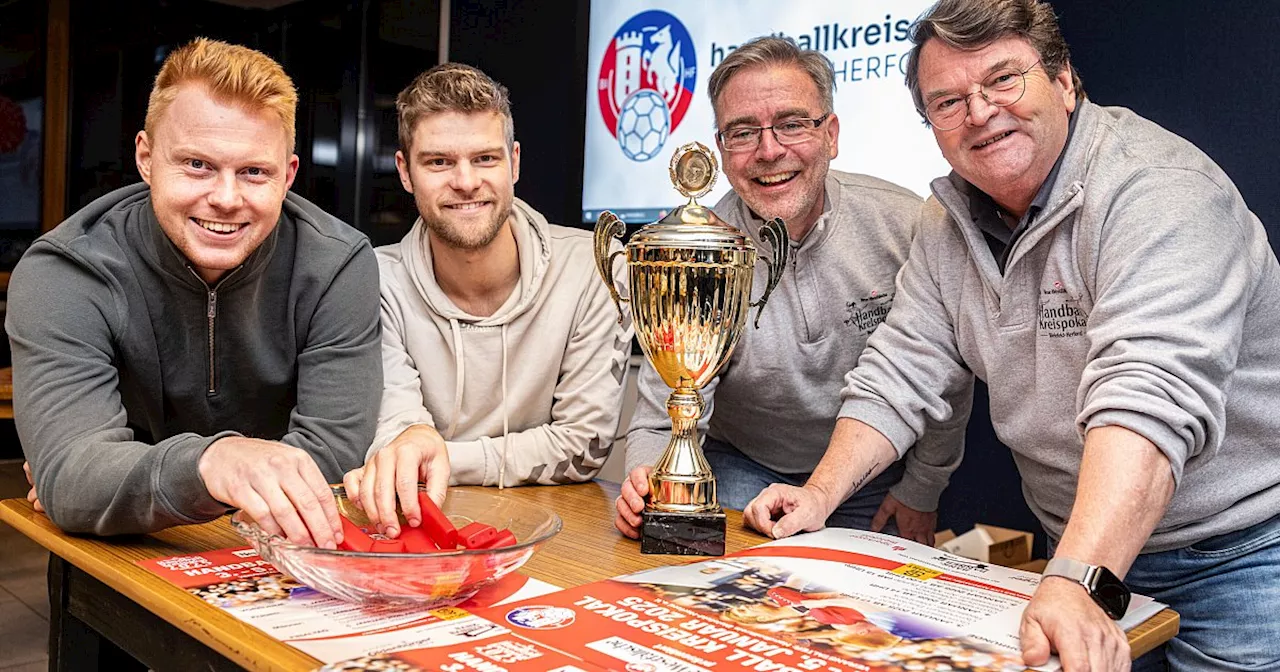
x=770, y=211
x=803, y=205
x=458, y=241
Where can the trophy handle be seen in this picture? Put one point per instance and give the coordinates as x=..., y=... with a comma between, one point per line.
x=609, y=227
x=775, y=233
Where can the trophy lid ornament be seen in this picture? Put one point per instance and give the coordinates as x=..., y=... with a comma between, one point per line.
x=694, y=170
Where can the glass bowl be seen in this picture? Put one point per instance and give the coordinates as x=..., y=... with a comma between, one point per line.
x=426, y=579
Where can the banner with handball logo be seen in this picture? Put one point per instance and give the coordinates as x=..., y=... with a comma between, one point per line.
x=648, y=66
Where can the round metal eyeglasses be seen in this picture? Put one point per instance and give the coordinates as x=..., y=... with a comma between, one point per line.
x=1003, y=88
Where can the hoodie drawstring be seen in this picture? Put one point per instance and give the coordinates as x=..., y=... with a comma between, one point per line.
x=458, y=365
x=506, y=427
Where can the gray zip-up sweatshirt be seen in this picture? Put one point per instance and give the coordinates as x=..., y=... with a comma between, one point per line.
x=1144, y=296
x=126, y=365
x=777, y=399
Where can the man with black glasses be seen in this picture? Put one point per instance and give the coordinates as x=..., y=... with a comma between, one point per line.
x=1108, y=282
x=771, y=410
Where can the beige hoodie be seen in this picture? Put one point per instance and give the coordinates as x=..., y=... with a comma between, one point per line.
x=531, y=394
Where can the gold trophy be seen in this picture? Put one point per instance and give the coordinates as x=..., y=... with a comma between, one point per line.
x=690, y=280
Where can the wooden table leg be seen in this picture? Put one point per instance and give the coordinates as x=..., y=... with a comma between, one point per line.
x=73, y=645
x=93, y=627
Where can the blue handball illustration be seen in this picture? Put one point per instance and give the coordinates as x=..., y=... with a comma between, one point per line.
x=643, y=125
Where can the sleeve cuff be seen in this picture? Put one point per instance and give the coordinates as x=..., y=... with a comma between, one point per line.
x=383, y=437
x=468, y=463
x=643, y=448
x=182, y=488
x=1166, y=440
x=883, y=419
x=915, y=493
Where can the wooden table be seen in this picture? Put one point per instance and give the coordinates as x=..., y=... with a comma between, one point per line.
x=97, y=590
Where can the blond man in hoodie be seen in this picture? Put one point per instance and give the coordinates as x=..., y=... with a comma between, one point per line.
x=502, y=353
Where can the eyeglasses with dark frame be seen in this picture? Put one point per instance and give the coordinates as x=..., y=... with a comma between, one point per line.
x=791, y=131
x=1002, y=89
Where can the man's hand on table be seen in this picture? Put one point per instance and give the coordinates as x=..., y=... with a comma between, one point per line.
x=631, y=502
x=1063, y=617
x=278, y=485
x=31, y=494
x=801, y=509
x=417, y=454
x=917, y=526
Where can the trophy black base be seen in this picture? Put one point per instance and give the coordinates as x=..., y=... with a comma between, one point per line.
x=665, y=533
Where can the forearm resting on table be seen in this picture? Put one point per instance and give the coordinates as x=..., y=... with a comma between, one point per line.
x=1123, y=490
x=857, y=453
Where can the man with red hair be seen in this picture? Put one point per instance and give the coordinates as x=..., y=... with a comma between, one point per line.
x=205, y=340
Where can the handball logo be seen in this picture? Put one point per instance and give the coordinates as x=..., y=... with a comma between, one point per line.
x=541, y=617
x=646, y=82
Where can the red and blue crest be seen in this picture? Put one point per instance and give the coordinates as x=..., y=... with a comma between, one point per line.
x=651, y=52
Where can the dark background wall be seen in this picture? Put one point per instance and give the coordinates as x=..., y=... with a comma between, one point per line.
x=538, y=50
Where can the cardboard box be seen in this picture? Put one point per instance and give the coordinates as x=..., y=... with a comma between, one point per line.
x=988, y=543
x=1036, y=566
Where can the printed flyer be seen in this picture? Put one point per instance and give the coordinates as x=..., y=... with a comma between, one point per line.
x=253, y=590
x=836, y=600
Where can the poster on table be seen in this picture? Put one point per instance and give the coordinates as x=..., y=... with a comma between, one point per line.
x=240, y=582
x=836, y=600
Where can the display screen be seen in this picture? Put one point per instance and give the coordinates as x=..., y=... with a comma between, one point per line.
x=647, y=70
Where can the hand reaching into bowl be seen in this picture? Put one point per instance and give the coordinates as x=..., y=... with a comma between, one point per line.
x=393, y=473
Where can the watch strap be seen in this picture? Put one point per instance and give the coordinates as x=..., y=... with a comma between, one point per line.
x=1080, y=572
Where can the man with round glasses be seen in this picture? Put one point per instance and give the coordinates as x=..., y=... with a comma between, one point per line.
x=771, y=410
x=1138, y=397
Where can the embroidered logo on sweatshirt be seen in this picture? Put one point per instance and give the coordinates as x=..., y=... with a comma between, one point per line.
x=1060, y=315
x=866, y=313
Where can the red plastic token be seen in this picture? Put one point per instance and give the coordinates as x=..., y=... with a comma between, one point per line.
x=354, y=538
x=387, y=546
x=436, y=524
x=416, y=541
x=476, y=535
x=503, y=539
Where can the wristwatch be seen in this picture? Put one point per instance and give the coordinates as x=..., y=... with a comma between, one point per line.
x=1108, y=591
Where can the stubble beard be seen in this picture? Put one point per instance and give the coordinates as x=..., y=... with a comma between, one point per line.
x=461, y=239
x=788, y=208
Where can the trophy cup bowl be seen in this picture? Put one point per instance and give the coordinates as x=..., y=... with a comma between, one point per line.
x=690, y=278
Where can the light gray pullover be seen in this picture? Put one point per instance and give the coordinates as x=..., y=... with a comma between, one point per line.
x=1144, y=296
x=777, y=399
x=530, y=394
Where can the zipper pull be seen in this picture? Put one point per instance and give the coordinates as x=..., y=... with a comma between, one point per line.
x=213, y=304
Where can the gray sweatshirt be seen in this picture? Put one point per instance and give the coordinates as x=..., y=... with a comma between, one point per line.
x=777, y=399
x=126, y=365
x=1144, y=296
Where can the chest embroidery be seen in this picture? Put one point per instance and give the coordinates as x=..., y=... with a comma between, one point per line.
x=1059, y=314
x=866, y=313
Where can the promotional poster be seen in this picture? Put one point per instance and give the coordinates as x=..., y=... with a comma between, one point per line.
x=836, y=600
x=238, y=581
